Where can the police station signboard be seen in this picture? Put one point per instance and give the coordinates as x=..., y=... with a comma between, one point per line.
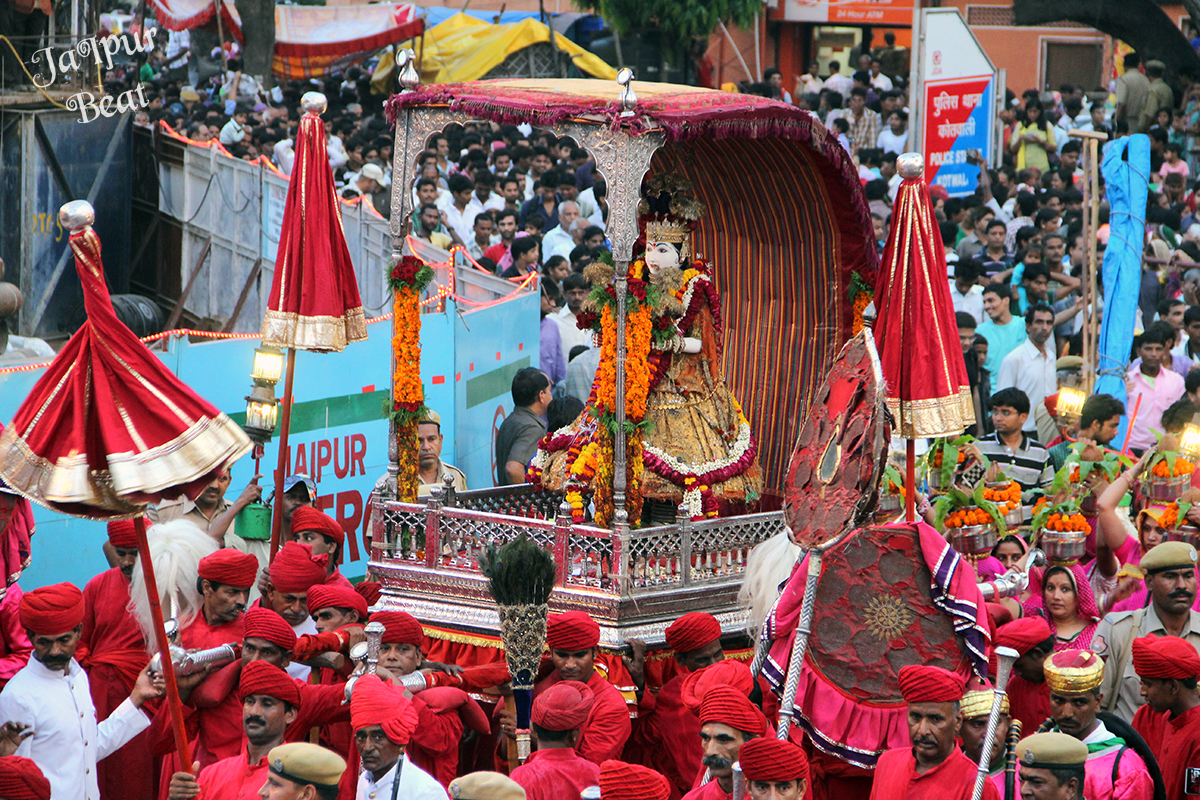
x=957, y=99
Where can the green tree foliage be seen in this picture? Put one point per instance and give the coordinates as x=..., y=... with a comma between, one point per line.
x=679, y=22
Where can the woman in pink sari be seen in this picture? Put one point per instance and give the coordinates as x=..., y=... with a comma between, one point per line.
x=1065, y=600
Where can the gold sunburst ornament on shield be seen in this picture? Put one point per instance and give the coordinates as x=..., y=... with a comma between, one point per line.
x=887, y=617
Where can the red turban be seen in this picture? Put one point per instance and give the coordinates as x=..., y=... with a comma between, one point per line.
x=563, y=707
x=728, y=706
x=400, y=628
x=326, y=596
x=307, y=518
x=621, y=781
x=1165, y=657
x=693, y=631
x=919, y=684
x=373, y=702
x=259, y=677
x=370, y=590
x=723, y=673
x=263, y=623
x=295, y=568
x=772, y=760
x=573, y=630
x=53, y=609
x=20, y=778
x=1023, y=634
x=230, y=567
x=121, y=533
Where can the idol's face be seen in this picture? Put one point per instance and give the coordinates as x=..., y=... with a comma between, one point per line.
x=660, y=255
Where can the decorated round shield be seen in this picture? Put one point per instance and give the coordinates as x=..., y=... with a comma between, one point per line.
x=833, y=477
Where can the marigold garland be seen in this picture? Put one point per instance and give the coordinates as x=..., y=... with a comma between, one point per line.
x=407, y=280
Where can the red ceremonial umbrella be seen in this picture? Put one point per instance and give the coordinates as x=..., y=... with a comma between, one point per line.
x=314, y=303
x=109, y=429
x=919, y=352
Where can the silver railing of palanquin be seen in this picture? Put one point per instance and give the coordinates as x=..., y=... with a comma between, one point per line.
x=633, y=582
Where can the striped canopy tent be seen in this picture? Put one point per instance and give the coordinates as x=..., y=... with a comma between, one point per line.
x=310, y=41
x=786, y=227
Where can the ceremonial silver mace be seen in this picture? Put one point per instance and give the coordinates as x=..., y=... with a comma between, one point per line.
x=1005, y=656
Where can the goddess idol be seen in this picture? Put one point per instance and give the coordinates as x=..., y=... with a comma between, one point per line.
x=689, y=442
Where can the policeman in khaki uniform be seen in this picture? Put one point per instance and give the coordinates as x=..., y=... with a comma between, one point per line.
x=1171, y=579
x=302, y=771
x=1052, y=765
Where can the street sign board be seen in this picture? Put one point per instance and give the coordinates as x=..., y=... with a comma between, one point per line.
x=957, y=101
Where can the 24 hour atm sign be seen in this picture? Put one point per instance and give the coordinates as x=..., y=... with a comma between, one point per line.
x=956, y=121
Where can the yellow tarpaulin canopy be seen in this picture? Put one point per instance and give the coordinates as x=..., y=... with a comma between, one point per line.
x=464, y=48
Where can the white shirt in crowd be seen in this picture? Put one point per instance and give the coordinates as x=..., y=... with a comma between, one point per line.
x=461, y=221
x=890, y=142
x=1033, y=372
x=971, y=302
x=415, y=784
x=557, y=243
x=842, y=84
x=882, y=82
x=67, y=738
x=569, y=332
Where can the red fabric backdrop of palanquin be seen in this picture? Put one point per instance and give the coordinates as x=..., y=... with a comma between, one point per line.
x=787, y=223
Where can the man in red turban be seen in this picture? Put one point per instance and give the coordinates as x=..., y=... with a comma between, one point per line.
x=226, y=577
x=270, y=703
x=20, y=779
x=621, y=781
x=555, y=771
x=296, y=568
x=116, y=652
x=666, y=733
x=324, y=535
x=1170, y=720
x=933, y=767
x=774, y=769
x=727, y=721
x=384, y=720
x=1028, y=697
x=574, y=639
x=52, y=695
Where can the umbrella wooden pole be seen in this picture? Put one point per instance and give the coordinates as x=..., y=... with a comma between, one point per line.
x=164, y=647
x=281, y=471
x=910, y=481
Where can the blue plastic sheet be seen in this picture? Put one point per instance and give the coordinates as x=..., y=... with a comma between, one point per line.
x=1126, y=170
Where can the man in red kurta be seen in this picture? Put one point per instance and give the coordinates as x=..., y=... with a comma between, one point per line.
x=555, y=771
x=270, y=703
x=1170, y=720
x=116, y=653
x=573, y=639
x=225, y=580
x=324, y=535
x=1028, y=695
x=666, y=734
x=933, y=768
x=727, y=721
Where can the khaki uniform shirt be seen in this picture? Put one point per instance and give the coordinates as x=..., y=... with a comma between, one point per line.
x=182, y=508
x=1114, y=643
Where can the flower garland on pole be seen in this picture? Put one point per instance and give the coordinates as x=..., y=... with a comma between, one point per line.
x=407, y=280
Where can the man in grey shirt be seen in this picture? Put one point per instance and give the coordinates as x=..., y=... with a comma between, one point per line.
x=517, y=439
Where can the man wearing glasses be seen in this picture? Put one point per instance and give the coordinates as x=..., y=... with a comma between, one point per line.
x=1021, y=457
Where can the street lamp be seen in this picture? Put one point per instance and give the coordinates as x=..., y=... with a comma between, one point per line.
x=1189, y=440
x=1069, y=407
x=262, y=409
